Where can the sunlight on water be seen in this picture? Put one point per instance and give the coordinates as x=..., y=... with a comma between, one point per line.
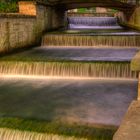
x=68, y=69
x=90, y=41
x=93, y=21
x=8, y=134
x=39, y=70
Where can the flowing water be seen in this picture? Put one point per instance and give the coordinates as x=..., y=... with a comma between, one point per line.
x=69, y=69
x=92, y=35
x=93, y=21
x=78, y=76
x=67, y=40
x=71, y=62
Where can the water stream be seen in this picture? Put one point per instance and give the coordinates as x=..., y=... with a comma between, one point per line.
x=77, y=76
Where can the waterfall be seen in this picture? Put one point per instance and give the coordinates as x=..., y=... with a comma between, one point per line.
x=69, y=69
x=31, y=64
x=93, y=21
x=10, y=134
x=94, y=38
x=68, y=40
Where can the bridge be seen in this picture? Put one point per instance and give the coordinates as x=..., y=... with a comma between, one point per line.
x=122, y=5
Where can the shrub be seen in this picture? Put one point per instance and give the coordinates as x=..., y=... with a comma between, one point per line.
x=7, y=7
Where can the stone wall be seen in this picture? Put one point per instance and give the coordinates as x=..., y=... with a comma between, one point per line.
x=58, y=18
x=130, y=18
x=25, y=28
x=139, y=88
x=27, y=8
x=134, y=19
x=17, y=32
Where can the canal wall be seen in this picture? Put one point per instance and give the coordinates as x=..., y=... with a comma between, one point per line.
x=130, y=19
x=134, y=19
x=25, y=28
x=139, y=87
x=17, y=31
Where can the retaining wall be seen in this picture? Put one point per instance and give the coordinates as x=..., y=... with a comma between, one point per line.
x=130, y=19
x=17, y=31
x=25, y=28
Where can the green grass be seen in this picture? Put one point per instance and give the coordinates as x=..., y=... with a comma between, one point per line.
x=8, y=7
x=91, y=133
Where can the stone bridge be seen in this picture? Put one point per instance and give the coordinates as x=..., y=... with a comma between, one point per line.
x=122, y=5
x=129, y=9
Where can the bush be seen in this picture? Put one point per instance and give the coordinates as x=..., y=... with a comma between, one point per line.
x=7, y=7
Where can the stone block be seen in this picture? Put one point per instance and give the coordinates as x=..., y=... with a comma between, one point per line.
x=27, y=8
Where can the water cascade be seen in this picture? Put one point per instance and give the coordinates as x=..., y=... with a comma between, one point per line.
x=93, y=48
x=93, y=21
x=69, y=69
x=93, y=32
x=67, y=40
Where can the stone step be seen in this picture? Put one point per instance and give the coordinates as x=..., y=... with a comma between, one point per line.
x=92, y=39
x=109, y=63
x=130, y=128
x=79, y=101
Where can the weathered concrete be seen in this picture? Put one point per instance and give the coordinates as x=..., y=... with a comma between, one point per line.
x=27, y=8
x=72, y=4
x=130, y=128
x=17, y=32
x=134, y=19
x=80, y=101
x=135, y=63
x=139, y=88
x=130, y=18
x=25, y=28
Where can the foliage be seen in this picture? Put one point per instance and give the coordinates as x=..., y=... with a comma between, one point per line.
x=7, y=7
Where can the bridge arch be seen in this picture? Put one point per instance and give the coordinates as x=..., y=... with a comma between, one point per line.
x=112, y=4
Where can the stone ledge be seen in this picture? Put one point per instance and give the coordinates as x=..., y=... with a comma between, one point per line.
x=15, y=15
x=135, y=27
x=130, y=127
x=135, y=63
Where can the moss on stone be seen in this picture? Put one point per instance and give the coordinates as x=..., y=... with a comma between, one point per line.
x=97, y=133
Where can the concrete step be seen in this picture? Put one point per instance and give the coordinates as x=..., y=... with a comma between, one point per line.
x=65, y=62
x=98, y=38
x=74, y=101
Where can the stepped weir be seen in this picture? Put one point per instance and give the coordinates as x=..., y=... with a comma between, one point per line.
x=93, y=32
x=94, y=22
x=78, y=81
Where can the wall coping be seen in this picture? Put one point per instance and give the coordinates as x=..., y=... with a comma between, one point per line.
x=15, y=15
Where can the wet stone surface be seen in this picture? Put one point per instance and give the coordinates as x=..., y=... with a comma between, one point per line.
x=82, y=101
x=74, y=54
